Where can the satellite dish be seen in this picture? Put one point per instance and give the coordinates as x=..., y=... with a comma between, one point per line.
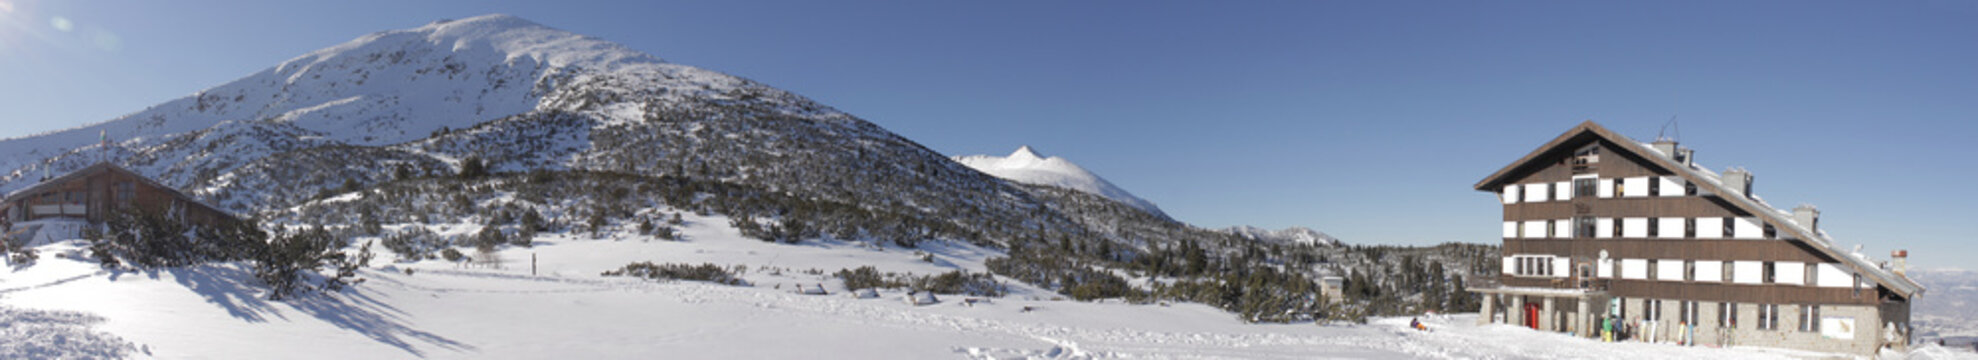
x=1603, y=254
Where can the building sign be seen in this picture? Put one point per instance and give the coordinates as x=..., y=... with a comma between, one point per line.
x=1837, y=327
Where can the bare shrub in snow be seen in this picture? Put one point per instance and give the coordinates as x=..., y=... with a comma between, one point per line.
x=703, y=272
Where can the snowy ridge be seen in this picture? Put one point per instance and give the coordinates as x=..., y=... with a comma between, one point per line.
x=1027, y=166
x=1290, y=235
x=384, y=88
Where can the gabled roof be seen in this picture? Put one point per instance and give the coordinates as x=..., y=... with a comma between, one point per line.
x=107, y=167
x=1705, y=180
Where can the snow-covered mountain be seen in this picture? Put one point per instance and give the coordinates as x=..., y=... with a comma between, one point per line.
x=585, y=136
x=1027, y=166
x=1949, y=310
x=1290, y=235
x=416, y=103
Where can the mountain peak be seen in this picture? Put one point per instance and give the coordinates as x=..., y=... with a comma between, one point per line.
x=1027, y=166
x=1027, y=153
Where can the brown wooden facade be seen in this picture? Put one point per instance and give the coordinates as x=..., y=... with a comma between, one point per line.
x=96, y=192
x=1555, y=163
x=1571, y=239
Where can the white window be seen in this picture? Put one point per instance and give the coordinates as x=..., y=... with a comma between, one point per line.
x=1710, y=228
x=1710, y=271
x=1511, y=194
x=1768, y=316
x=1538, y=192
x=1563, y=189
x=1606, y=188
x=1727, y=315
x=1535, y=229
x=1833, y=275
x=1603, y=228
x=1671, y=186
x=1537, y=265
x=1671, y=228
x=1748, y=228
x=1809, y=318
x=1634, y=187
x=1669, y=270
x=1689, y=313
x=1634, y=269
x=1748, y=272
x=1789, y=273
x=1510, y=229
x=1651, y=309
x=1634, y=228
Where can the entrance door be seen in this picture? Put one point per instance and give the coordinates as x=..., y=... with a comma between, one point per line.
x=1531, y=315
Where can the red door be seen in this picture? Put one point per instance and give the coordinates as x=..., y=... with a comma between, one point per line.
x=1531, y=315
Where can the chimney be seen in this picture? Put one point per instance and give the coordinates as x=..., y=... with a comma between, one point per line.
x=1808, y=216
x=1667, y=147
x=1739, y=180
x=1686, y=156
x=1900, y=260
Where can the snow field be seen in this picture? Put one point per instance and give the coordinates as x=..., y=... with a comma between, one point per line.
x=566, y=310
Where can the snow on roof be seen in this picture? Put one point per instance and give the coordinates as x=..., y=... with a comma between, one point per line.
x=1774, y=215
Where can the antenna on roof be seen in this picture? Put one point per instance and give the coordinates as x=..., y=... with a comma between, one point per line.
x=1666, y=127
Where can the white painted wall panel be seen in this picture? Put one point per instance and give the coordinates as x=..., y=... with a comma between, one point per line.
x=1710, y=228
x=1669, y=269
x=1561, y=267
x=1832, y=275
x=1562, y=228
x=1510, y=265
x=1672, y=186
x=1535, y=229
x=1671, y=228
x=1510, y=229
x=1710, y=271
x=1748, y=272
x=1606, y=188
x=1634, y=187
x=1603, y=228
x=1565, y=190
x=1634, y=269
x=1789, y=273
x=1605, y=268
x=1634, y=228
x=1510, y=194
x=1537, y=192
x=1747, y=228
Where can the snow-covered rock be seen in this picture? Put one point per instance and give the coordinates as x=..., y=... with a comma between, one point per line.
x=1029, y=167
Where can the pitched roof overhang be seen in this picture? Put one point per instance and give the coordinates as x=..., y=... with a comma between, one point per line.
x=1590, y=131
x=108, y=167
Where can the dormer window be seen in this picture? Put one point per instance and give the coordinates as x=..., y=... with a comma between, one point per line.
x=1585, y=159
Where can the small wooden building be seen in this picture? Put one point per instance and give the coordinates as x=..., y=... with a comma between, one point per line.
x=96, y=192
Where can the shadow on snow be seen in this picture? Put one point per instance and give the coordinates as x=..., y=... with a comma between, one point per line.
x=233, y=287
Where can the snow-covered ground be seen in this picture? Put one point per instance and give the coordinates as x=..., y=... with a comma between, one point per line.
x=566, y=310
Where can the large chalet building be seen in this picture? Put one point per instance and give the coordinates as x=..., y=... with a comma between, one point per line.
x=90, y=196
x=1597, y=225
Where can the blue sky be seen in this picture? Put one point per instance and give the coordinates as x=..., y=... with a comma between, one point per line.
x=1369, y=121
